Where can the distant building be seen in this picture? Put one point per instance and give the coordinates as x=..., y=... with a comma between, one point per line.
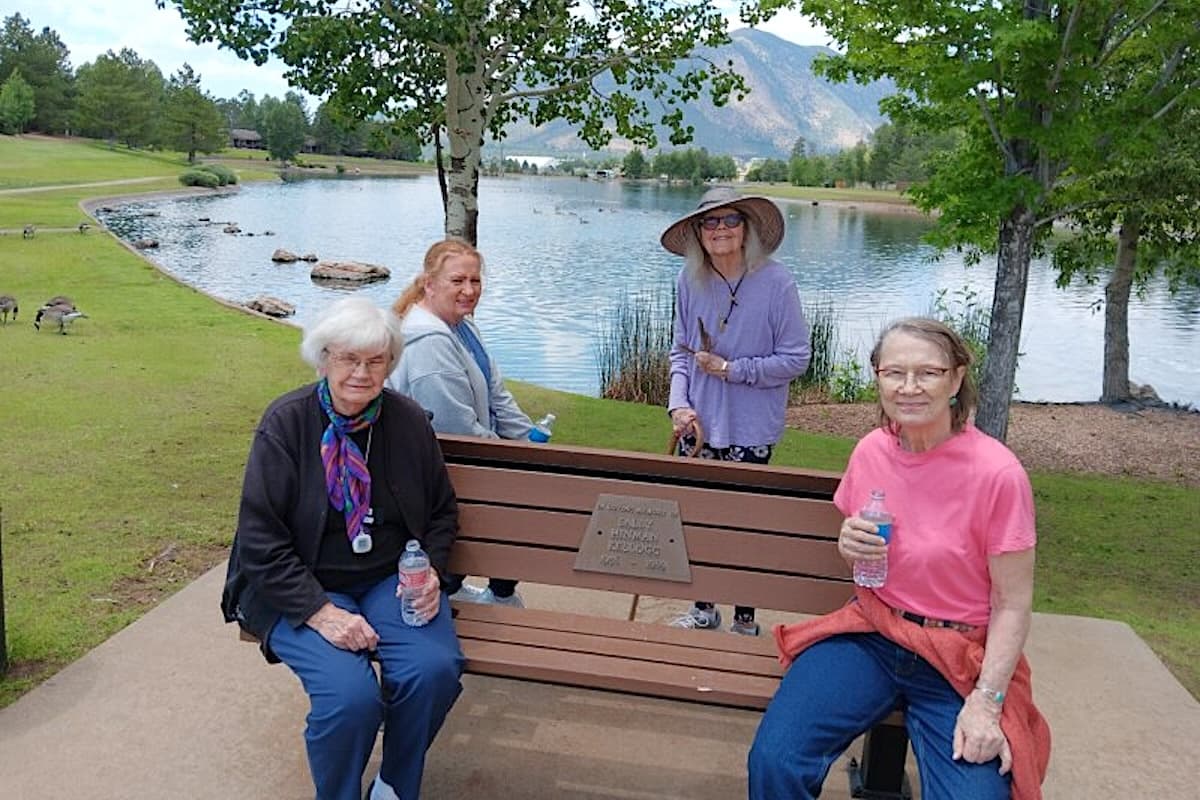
x=245, y=138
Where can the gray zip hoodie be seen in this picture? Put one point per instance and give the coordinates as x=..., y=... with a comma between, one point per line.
x=438, y=371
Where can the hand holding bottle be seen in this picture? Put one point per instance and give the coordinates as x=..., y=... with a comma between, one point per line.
x=543, y=429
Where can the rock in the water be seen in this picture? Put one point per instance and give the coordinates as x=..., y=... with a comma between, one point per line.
x=271, y=306
x=145, y=244
x=349, y=272
x=232, y=228
x=309, y=257
x=282, y=256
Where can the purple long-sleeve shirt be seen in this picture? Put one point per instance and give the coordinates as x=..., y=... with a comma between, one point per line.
x=765, y=342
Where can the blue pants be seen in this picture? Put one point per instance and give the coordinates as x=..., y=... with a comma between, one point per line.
x=841, y=687
x=419, y=667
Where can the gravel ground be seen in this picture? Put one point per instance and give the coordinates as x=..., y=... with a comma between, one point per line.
x=1157, y=443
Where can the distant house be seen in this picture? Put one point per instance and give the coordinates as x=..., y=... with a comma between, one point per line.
x=245, y=138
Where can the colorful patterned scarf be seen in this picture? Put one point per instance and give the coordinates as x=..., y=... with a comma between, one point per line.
x=347, y=478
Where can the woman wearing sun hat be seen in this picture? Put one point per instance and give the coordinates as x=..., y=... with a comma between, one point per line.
x=740, y=338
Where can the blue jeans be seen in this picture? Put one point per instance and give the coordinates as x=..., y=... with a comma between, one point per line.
x=841, y=687
x=419, y=667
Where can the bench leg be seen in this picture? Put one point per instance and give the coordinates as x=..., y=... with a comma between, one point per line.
x=881, y=774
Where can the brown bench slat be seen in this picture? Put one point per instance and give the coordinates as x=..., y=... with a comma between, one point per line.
x=571, y=640
x=714, y=507
x=705, y=545
x=718, y=584
x=644, y=466
x=615, y=628
x=593, y=671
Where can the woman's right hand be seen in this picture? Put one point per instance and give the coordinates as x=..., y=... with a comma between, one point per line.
x=682, y=419
x=343, y=629
x=859, y=540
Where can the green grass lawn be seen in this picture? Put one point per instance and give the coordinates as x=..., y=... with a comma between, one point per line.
x=125, y=440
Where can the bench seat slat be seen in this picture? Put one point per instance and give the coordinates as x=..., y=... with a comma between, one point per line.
x=614, y=628
x=595, y=671
x=717, y=584
x=631, y=649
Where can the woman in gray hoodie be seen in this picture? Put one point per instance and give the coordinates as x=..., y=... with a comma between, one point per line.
x=448, y=370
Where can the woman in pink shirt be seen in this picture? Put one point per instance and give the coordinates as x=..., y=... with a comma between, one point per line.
x=959, y=576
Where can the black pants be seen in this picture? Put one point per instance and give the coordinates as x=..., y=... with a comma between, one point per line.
x=746, y=454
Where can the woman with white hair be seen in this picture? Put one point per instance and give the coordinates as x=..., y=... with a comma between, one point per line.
x=740, y=338
x=341, y=474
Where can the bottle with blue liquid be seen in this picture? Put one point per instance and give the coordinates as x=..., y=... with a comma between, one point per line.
x=873, y=574
x=543, y=429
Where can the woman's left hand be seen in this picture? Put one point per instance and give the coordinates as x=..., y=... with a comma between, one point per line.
x=713, y=364
x=977, y=735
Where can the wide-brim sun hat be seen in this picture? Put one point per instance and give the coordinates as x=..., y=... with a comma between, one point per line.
x=762, y=211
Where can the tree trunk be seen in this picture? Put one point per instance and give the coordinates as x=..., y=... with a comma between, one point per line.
x=1115, y=388
x=1008, y=309
x=466, y=120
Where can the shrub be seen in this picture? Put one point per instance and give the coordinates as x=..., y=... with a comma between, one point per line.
x=199, y=177
x=824, y=343
x=970, y=319
x=632, y=355
x=224, y=174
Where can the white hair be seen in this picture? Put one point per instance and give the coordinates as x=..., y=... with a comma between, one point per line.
x=352, y=323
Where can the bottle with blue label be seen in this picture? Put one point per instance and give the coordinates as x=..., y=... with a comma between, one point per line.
x=543, y=429
x=414, y=573
x=873, y=574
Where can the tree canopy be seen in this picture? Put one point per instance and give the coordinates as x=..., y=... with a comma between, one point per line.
x=119, y=95
x=43, y=61
x=191, y=120
x=1029, y=83
x=464, y=68
x=16, y=103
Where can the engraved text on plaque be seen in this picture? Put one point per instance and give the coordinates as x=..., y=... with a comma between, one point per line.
x=641, y=536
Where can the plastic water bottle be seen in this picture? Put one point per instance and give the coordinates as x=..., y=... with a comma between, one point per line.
x=873, y=574
x=414, y=572
x=543, y=429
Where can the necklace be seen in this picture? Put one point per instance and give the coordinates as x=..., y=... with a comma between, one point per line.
x=733, y=290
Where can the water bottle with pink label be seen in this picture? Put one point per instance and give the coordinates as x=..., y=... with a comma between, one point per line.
x=414, y=573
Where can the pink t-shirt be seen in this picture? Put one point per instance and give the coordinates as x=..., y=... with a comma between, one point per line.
x=952, y=507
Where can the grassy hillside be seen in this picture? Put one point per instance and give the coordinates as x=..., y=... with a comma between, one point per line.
x=124, y=443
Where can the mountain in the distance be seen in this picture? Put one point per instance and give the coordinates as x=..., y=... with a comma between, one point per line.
x=786, y=101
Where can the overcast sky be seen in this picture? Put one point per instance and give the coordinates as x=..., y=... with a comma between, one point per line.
x=89, y=29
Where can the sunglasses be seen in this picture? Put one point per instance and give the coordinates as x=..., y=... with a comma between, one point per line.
x=732, y=220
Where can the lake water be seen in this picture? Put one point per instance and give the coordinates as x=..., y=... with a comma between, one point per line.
x=562, y=253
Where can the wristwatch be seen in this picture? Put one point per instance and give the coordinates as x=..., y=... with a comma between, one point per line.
x=994, y=695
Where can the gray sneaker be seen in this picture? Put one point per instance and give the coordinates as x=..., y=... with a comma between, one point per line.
x=707, y=619
x=514, y=600
x=746, y=627
x=472, y=594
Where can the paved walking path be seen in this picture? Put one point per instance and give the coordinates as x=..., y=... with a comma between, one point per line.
x=54, y=187
x=174, y=706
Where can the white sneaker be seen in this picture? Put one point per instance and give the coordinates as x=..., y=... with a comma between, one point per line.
x=707, y=619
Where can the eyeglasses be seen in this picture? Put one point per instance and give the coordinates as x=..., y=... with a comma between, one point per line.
x=733, y=220
x=921, y=376
x=351, y=362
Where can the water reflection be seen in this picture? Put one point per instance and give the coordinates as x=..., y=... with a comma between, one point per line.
x=561, y=253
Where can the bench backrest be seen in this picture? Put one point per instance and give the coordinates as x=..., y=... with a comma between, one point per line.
x=761, y=536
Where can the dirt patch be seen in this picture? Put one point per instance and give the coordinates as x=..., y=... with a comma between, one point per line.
x=1156, y=443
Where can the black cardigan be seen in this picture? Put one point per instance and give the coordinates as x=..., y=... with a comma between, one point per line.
x=284, y=504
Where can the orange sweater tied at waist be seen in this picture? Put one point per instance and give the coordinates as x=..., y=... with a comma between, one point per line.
x=958, y=657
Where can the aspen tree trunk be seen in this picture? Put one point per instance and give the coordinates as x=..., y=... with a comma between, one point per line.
x=1115, y=388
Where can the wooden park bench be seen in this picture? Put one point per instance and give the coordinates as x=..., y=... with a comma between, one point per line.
x=659, y=526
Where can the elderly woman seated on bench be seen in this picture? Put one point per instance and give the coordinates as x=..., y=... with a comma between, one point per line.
x=943, y=636
x=341, y=474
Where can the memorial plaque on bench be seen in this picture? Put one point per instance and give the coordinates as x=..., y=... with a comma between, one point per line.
x=640, y=536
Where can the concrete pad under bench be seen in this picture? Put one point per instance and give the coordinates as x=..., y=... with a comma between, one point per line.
x=174, y=706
